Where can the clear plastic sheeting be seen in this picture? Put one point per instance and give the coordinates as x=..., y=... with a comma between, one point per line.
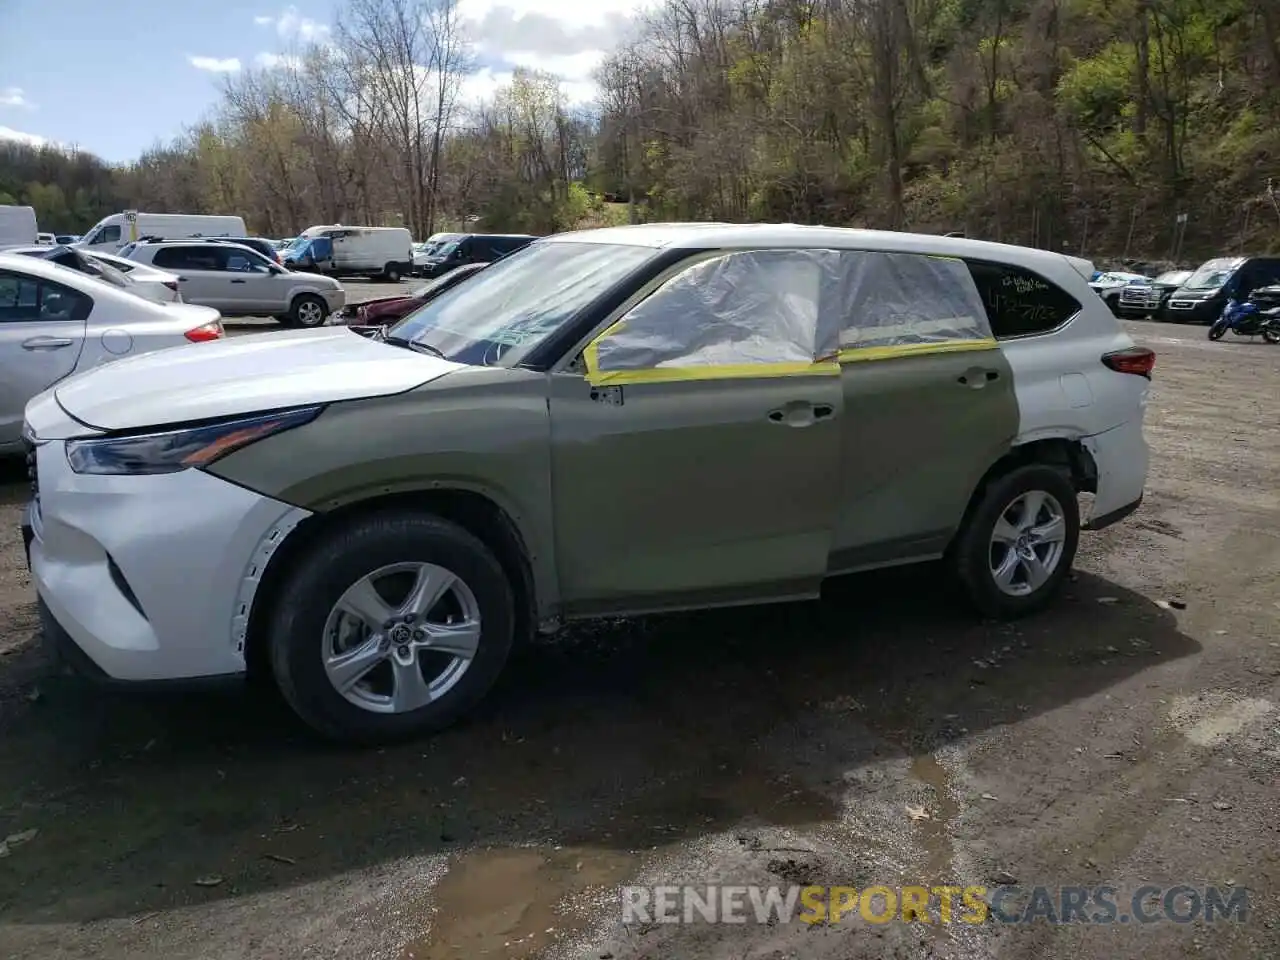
x=755, y=313
x=895, y=303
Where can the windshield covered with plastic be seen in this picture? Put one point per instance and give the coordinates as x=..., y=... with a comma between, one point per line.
x=516, y=303
x=1174, y=278
x=445, y=249
x=1211, y=275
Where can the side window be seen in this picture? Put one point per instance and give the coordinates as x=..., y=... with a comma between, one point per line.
x=753, y=313
x=109, y=234
x=27, y=299
x=1020, y=303
x=891, y=304
x=238, y=262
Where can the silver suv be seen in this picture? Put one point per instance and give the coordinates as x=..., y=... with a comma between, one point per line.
x=241, y=282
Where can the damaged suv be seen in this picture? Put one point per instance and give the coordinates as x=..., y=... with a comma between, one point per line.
x=608, y=422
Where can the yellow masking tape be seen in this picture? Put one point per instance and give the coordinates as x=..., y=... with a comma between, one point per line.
x=738, y=371
x=855, y=354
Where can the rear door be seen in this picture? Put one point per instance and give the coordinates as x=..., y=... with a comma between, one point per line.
x=42, y=330
x=929, y=405
x=202, y=278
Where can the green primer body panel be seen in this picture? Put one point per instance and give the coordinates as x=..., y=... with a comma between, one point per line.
x=687, y=493
x=916, y=441
x=482, y=429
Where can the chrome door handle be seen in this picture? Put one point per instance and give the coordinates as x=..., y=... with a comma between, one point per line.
x=46, y=343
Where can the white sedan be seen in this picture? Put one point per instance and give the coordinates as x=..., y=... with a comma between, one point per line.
x=158, y=285
x=55, y=322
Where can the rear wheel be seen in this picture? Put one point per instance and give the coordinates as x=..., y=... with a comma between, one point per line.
x=308, y=310
x=1017, y=545
x=395, y=627
x=392, y=273
x=1271, y=334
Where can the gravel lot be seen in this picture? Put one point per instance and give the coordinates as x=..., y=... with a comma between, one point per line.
x=881, y=735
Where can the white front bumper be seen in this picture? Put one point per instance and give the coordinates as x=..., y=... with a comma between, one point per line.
x=189, y=546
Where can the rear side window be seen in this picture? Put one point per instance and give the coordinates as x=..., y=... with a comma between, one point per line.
x=1020, y=303
x=30, y=299
x=204, y=257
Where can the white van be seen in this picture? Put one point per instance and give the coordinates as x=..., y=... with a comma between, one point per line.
x=113, y=232
x=336, y=248
x=17, y=226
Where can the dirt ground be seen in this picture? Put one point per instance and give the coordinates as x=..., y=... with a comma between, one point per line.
x=881, y=735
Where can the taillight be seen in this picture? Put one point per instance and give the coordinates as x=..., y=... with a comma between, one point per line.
x=1137, y=360
x=202, y=334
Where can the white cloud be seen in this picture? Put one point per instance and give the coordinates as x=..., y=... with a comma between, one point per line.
x=572, y=15
x=272, y=61
x=482, y=85
x=566, y=40
x=292, y=25
x=215, y=64
x=15, y=97
x=30, y=139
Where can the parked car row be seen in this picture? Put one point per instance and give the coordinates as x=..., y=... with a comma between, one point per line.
x=1186, y=296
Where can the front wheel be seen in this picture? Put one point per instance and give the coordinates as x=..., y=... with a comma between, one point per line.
x=309, y=310
x=1018, y=543
x=1218, y=329
x=395, y=627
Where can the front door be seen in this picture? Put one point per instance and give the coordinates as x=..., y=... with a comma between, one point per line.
x=704, y=471
x=42, y=328
x=254, y=287
x=929, y=406
x=693, y=492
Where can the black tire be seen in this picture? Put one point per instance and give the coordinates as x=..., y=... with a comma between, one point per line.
x=284, y=320
x=303, y=604
x=301, y=316
x=1218, y=328
x=971, y=551
x=391, y=273
x=1271, y=334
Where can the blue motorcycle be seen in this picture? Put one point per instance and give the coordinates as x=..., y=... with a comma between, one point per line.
x=1246, y=318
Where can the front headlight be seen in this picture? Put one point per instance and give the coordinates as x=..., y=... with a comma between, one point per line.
x=174, y=450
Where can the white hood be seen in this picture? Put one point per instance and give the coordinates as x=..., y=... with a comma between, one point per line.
x=243, y=376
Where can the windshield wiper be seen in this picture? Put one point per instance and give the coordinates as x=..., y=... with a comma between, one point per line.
x=413, y=345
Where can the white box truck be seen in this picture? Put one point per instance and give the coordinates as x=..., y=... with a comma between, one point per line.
x=341, y=250
x=111, y=233
x=17, y=226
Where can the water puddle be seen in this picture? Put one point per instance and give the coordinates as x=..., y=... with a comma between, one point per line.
x=935, y=832
x=514, y=902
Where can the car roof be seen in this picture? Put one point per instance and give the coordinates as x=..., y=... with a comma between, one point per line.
x=728, y=235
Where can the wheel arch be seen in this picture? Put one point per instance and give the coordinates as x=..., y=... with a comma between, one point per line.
x=474, y=511
x=1062, y=450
